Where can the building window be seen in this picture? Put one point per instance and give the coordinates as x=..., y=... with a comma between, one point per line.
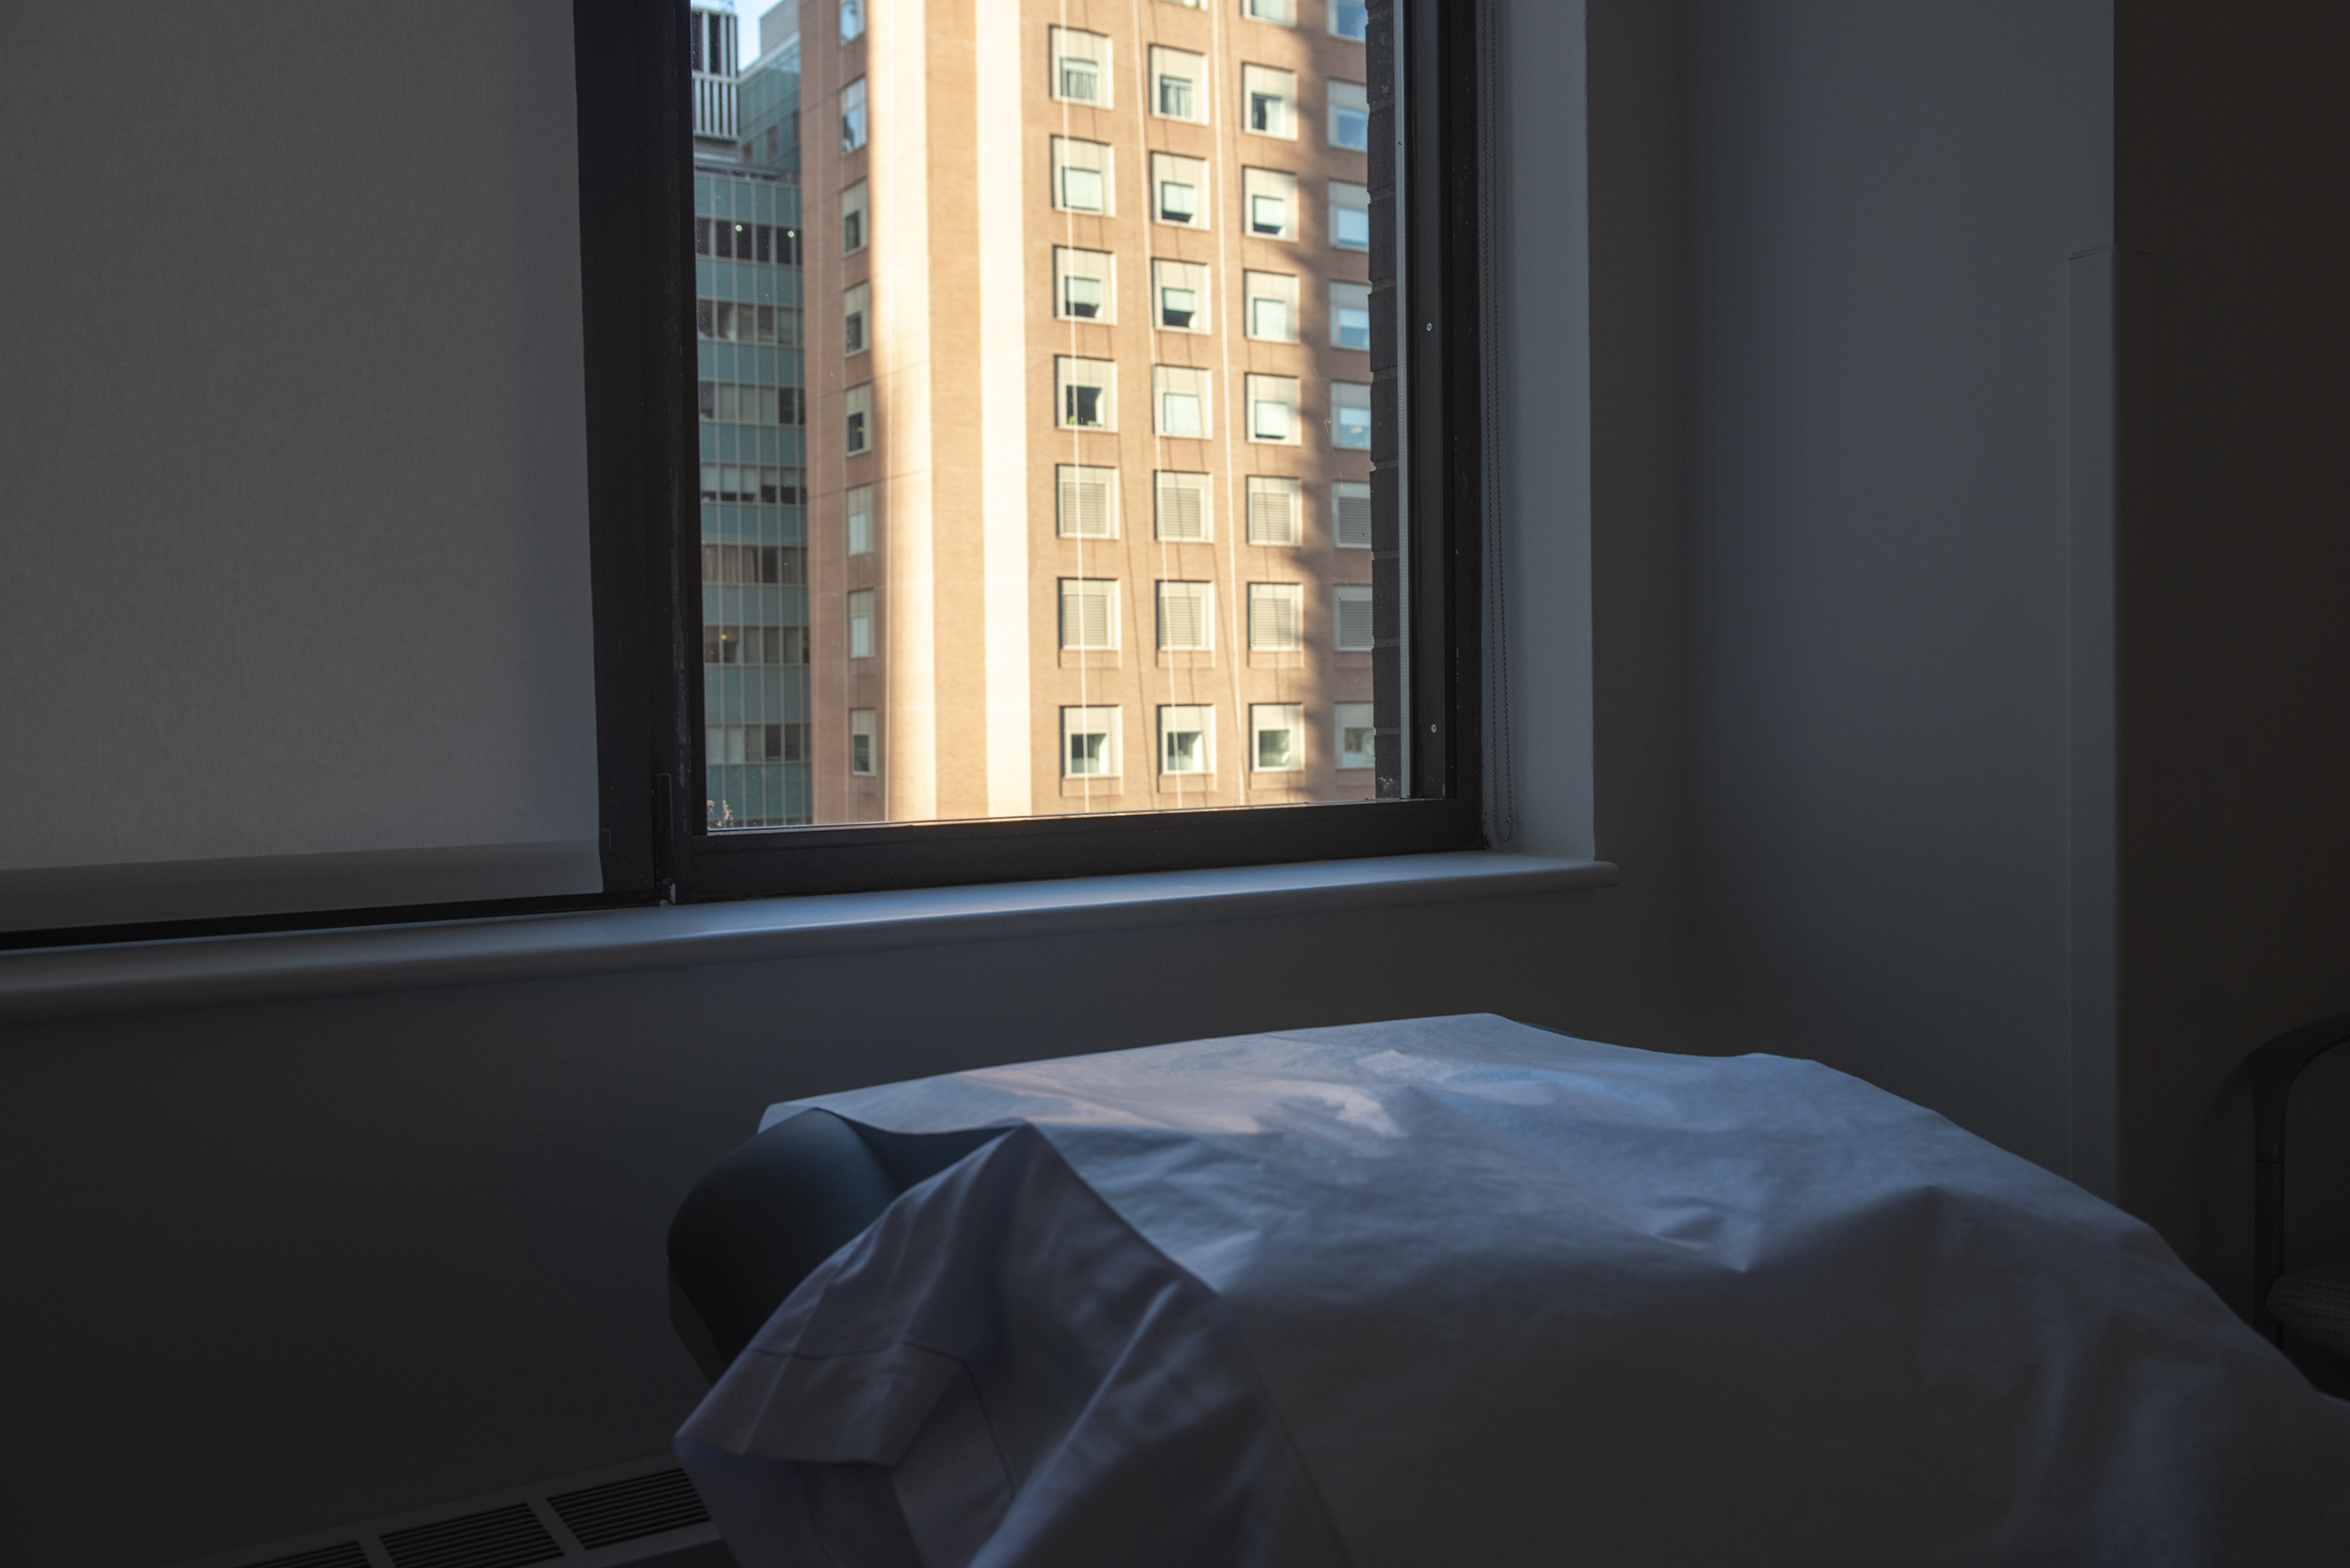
x=1178, y=85
x=861, y=737
x=1088, y=502
x=728, y=481
x=852, y=27
x=1277, y=737
x=1350, y=614
x=861, y=625
x=1356, y=739
x=1349, y=315
x=1085, y=392
x=1348, y=19
x=1185, y=622
x=1273, y=509
x=1179, y=296
x=1082, y=288
x=853, y=312
x=1178, y=401
x=1350, y=414
x=853, y=218
x=1080, y=65
x=1089, y=743
x=1268, y=101
x=1269, y=11
x=1350, y=216
x=1273, y=409
x=1181, y=506
x=1088, y=613
x=857, y=503
x=858, y=411
x=1350, y=515
x=1186, y=739
x=1179, y=189
x=1270, y=305
x=852, y=116
x=1081, y=175
x=1350, y=116
x=1269, y=203
x=754, y=742
x=1276, y=614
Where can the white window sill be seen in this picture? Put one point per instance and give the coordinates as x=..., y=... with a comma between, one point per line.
x=210, y=971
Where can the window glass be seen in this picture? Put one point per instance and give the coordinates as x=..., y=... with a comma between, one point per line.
x=1178, y=84
x=857, y=418
x=1348, y=19
x=1350, y=414
x=854, y=304
x=1179, y=190
x=1350, y=116
x=861, y=740
x=1186, y=739
x=852, y=126
x=1270, y=305
x=1088, y=742
x=1269, y=203
x=856, y=507
x=1276, y=736
x=1088, y=613
x=1350, y=216
x=1352, y=721
x=1349, y=514
x=1080, y=65
x=1085, y=392
x=1083, y=291
x=853, y=218
x=1275, y=617
x=1269, y=11
x=1350, y=616
x=851, y=20
x=1268, y=101
x=861, y=642
x=1349, y=315
x=1081, y=182
x=1179, y=296
x=1178, y=401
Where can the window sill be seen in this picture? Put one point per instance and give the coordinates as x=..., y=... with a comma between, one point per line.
x=211, y=971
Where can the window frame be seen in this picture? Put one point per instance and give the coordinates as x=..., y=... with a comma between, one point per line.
x=649, y=697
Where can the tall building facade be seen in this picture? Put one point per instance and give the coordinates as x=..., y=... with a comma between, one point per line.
x=1089, y=381
x=756, y=690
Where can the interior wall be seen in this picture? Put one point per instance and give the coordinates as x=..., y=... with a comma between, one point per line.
x=1880, y=203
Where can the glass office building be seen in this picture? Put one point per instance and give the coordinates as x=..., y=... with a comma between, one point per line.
x=753, y=417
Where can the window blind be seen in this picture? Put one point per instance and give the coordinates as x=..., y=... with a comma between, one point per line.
x=1273, y=615
x=1085, y=620
x=1183, y=506
x=1184, y=621
x=1272, y=511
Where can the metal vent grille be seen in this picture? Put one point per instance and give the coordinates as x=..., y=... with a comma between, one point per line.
x=629, y=1509
x=502, y=1537
x=345, y=1554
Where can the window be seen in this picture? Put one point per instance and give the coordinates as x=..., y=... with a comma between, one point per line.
x=852, y=116
x=1276, y=614
x=755, y=742
x=853, y=218
x=1276, y=736
x=1088, y=502
x=1179, y=296
x=861, y=625
x=856, y=505
x=1186, y=739
x=1350, y=515
x=1081, y=70
x=1178, y=401
x=1185, y=620
x=1350, y=116
x=1081, y=175
x=1088, y=613
x=852, y=309
x=1178, y=188
x=1082, y=289
x=861, y=747
x=1350, y=216
x=1350, y=414
x=1348, y=19
x=1178, y=84
x=1349, y=615
x=1181, y=506
x=1269, y=203
x=1273, y=508
x=1349, y=315
x=1088, y=746
x=1270, y=305
x=1268, y=101
x=1273, y=409
x=852, y=27
x=1268, y=11
x=857, y=410
x=1085, y=392
x=1354, y=724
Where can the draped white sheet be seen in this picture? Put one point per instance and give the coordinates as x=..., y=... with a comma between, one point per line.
x=1459, y=1291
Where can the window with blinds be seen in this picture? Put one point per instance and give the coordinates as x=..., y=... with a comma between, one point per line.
x=1268, y=99
x=1350, y=414
x=1276, y=615
x=1088, y=613
x=1185, y=622
x=1183, y=506
x=1272, y=509
x=1350, y=515
x=1350, y=607
x=1088, y=502
x=1081, y=66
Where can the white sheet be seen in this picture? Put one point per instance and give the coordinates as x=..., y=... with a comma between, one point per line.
x=1454, y=1290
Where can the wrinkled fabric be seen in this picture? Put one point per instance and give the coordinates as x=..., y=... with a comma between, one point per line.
x=1456, y=1289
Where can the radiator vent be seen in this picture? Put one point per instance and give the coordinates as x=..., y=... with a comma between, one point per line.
x=629, y=1509
x=502, y=1537
x=343, y=1554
